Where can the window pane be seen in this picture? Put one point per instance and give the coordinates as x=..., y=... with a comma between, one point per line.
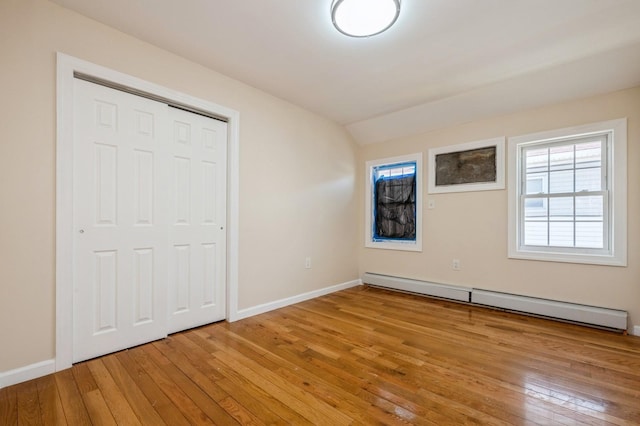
x=536, y=160
x=588, y=155
x=589, y=179
x=561, y=157
x=561, y=209
x=590, y=208
x=589, y=234
x=535, y=233
x=395, y=170
x=561, y=182
x=536, y=183
x=561, y=234
x=535, y=208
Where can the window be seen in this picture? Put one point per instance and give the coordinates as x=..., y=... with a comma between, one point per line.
x=567, y=200
x=393, y=203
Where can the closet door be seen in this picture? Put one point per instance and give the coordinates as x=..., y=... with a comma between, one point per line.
x=197, y=229
x=121, y=217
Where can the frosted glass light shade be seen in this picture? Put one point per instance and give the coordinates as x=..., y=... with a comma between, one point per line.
x=364, y=18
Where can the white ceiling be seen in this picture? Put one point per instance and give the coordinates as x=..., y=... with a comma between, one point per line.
x=445, y=62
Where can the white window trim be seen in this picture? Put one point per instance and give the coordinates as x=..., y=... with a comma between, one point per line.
x=617, y=167
x=478, y=186
x=393, y=245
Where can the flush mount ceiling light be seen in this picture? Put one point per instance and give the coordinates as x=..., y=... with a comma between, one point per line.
x=364, y=18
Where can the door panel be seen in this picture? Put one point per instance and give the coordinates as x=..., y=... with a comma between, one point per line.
x=149, y=220
x=197, y=234
x=120, y=220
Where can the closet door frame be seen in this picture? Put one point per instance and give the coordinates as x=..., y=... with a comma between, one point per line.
x=67, y=67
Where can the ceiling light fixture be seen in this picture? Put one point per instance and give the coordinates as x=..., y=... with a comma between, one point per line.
x=364, y=18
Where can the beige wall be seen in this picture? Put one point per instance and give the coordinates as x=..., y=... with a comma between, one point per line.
x=296, y=173
x=472, y=226
x=301, y=187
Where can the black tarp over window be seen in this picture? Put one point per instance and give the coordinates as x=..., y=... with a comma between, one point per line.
x=395, y=204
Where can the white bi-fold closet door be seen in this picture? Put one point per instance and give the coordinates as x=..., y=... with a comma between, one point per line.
x=149, y=220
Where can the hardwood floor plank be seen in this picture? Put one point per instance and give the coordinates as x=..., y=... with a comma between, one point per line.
x=8, y=406
x=197, y=356
x=83, y=377
x=255, y=398
x=388, y=393
x=28, y=404
x=238, y=385
x=451, y=357
x=360, y=356
x=74, y=409
x=49, y=400
x=354, y=384
x=167, y=410
x=243, y=416
x=205, y=402
x=97, y=407
x=396, y=409
x=140, y=405
x=208, y=385
x=113, y=395
x=201, y=360
x=186, y=406
x=298, y=399
x=259, y=401
x=303, y=377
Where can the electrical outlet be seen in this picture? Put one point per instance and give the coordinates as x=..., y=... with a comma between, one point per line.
x=636, y=330
x=455, y=264
x=431, y=204
x=307, y=263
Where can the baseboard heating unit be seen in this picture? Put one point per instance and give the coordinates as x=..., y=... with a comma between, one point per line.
x=446, y=291
x=588, y=315
x=593, y=315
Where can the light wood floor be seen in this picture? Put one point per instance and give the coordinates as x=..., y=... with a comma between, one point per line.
x=360, y=356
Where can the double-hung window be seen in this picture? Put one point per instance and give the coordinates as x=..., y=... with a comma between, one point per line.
x=393, y=203
x=568, y=195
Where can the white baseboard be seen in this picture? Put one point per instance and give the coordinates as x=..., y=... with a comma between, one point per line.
x=266, y=307
x=28, y=372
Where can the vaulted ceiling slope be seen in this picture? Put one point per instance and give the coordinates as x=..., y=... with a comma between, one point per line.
x=444, y=62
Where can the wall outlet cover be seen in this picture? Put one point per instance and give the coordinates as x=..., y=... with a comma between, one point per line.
x=636, y=330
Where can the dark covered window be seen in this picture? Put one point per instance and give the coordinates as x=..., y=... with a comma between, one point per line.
x=394, y=202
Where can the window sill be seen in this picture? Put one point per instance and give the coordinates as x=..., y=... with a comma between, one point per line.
x=589, y=259
x=385, y=245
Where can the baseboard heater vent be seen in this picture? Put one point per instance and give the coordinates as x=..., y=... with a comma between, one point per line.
x=592, y=315
x=583, y=314
x=462, y=294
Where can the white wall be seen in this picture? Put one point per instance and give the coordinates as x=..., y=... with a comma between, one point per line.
x=297, y=173
x=472, y=226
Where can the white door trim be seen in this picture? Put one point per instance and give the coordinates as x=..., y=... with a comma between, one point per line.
x=66, y=66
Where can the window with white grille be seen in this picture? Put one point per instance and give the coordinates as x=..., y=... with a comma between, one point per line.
x=568, y=195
